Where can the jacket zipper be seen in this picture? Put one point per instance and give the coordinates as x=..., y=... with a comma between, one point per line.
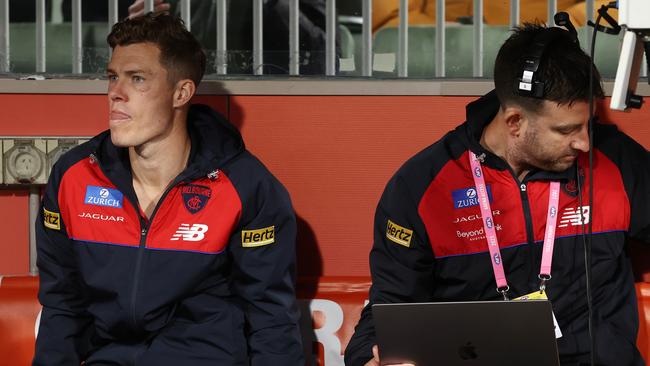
x=144, y=230
x=527, y=216
x=528, y=219
x=143, y=239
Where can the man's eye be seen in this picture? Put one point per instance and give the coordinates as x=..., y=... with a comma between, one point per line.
x=112, y=77
x=138, y=79
x=565, y=131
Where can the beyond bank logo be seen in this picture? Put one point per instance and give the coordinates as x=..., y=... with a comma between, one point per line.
x=101, y=196
x=468, y=197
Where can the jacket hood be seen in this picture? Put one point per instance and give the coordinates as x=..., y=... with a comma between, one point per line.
x=480, y=113
x=215, y=141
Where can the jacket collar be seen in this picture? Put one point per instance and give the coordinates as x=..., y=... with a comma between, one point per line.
x=214, y=141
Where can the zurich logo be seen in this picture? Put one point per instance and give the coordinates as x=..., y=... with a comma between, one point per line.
x=468, y=197
x=102, y=196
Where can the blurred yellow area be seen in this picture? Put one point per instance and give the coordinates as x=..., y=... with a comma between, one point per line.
x=385, y=13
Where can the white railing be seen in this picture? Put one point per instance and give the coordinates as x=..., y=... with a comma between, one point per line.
x=221, y=59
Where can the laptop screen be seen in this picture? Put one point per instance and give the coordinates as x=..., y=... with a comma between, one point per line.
x=467, y=333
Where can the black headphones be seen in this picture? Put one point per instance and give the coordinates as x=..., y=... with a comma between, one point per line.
x=529, y=84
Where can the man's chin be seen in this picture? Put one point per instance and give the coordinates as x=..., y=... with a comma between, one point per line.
x=557, y=166
x=122, y=135
x=562, y=165
x=120, y=141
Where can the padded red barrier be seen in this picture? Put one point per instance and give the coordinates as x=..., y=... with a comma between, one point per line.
x=334, y=304
x=19, y=309
x=642, y=340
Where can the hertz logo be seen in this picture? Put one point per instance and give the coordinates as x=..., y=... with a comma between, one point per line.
x=51, y=219
x=398, y=234
x=258, y=238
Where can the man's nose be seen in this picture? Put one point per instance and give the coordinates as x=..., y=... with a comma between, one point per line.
x=115, y=91
x=581, y=141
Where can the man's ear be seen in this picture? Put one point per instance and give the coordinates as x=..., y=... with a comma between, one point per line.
x=185, y=90
x=514, y=118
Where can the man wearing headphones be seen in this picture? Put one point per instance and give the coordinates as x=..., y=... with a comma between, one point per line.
x=521, y=157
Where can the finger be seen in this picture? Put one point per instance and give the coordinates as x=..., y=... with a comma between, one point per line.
x=136, y=14
x=159, y=8
x=372, y=362
x=375, y=353
x=136, y=9
x=137, y=6
x=375, y=360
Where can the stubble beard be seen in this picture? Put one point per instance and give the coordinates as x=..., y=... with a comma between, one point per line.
x=533, y=155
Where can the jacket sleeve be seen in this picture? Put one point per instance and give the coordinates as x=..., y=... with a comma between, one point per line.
x=401, y=264
x=633, y=162
x=65, y=326
x=263, y=276
x=638, y=181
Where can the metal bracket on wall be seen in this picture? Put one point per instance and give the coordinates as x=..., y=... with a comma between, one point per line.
x=25, y=163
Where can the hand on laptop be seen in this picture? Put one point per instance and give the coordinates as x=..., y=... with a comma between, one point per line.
x=375, y=359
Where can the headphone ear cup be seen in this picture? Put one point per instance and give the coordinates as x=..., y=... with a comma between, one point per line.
x=529, y=84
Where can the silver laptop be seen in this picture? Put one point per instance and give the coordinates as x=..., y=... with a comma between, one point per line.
x=494, y=333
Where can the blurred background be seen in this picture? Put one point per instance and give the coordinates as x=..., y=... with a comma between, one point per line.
x=67, y=37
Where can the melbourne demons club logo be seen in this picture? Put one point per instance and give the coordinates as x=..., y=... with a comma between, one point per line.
x=571, y=187
x=195, y=197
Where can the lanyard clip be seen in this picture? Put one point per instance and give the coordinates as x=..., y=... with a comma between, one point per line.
x=543, y=278
x=504, y=292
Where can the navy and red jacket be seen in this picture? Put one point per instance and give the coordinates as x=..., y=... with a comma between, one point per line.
x=429, y=241
x=208, y=279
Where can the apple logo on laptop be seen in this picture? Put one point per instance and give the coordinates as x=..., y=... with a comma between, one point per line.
x=468, y=352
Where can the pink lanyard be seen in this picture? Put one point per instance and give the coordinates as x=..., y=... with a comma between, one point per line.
x=490, y=232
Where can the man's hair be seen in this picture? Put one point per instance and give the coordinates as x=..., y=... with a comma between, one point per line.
x=564, y=69
x=180, y=53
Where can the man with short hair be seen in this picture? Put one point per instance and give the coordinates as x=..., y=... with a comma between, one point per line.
x=163, y=241
x=523, y=146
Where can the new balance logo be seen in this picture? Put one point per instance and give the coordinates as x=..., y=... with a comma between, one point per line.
x=186, y=232
x=574, y=216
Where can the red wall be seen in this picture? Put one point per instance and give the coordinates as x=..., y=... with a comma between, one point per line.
x=333, y=153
